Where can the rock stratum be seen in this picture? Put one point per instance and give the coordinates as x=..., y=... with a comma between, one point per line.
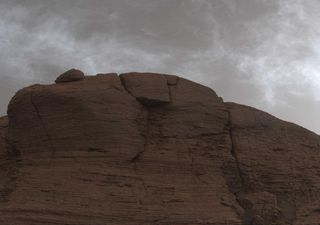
x=151, y=149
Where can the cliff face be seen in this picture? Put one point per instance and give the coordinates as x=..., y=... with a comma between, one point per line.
x=151, y=149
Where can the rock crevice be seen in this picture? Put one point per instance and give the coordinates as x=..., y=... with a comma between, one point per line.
x=246, y=216
x=38, y=114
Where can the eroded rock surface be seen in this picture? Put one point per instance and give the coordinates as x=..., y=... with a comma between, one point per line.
x=3, y=129
x=279, y=166
x=151, y=149
x=8, y=163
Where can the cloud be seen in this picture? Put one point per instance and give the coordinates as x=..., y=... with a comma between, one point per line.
x=287, y=53
x=264, y=53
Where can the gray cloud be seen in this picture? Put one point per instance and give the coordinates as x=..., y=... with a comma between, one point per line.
x=263, y=53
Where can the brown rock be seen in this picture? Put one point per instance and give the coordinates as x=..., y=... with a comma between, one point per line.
x=279, y=167
x=113, y=160
x=3, y=130
x=8, y=165
x=152, y=149
x=148, y=88
x=70, y=76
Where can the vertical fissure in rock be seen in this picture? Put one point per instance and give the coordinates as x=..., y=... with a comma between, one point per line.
x=44, y=127
x=125, y=87
x=234, y=153
x=170, y=94
x=37, y=111
x=247, y=216
x=146, y=138
x=145, y=134
x=170, y=86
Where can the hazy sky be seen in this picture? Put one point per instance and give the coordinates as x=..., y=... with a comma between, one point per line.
x=263, y=53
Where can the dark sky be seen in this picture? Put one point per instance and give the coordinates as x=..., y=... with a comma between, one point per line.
x=263, y=53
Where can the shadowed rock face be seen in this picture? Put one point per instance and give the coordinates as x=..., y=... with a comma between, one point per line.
x=3, y=129
x=279, y=166
x=151, y=149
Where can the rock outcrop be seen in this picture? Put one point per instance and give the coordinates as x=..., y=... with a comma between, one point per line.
x=151, y=149
x=279, y=166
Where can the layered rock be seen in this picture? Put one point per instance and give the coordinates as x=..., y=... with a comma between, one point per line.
x=279, y=165
x=151, y=149
x=3, y=130
x=8, y=163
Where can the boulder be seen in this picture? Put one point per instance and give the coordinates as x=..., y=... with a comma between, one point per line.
x=70, y=76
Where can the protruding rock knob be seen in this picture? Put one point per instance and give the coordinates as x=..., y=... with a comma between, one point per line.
x=70, y=76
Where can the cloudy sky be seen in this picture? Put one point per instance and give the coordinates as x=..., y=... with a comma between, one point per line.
x=263, y=53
